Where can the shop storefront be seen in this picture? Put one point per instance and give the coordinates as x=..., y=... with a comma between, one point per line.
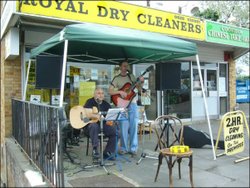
x=26, y=25
x=35, y=21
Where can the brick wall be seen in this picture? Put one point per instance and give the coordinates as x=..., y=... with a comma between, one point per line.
x=12, y=87
x=2, y=94
x=2, y=119
x=232, y=84
x=10, y=84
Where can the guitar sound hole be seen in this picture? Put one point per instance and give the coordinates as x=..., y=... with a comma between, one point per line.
x=85, y=120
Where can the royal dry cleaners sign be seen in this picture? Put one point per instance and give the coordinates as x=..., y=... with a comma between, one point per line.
x=117, y=14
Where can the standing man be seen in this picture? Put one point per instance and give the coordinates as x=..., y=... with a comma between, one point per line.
x=129, y=138
x=94, y=128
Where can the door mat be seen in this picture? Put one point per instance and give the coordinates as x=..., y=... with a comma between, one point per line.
x=104, y=180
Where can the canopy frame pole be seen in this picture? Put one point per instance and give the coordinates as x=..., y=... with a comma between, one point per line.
x=143, y=58
x=95, y=59
x=205, y=104
x=66, y=42
x=163, y=57
x=26, y=81
x=101, y=59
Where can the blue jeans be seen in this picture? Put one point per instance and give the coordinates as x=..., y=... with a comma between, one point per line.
x=128, y=128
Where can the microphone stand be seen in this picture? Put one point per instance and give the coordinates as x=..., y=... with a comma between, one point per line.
x=102, y=134
x=116, y=154
x=144, y=154
x=101, y=147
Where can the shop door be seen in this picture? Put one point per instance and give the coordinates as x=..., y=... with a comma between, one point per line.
x=209, y=75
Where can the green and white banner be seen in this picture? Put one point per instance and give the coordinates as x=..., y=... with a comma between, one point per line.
x=227, y=34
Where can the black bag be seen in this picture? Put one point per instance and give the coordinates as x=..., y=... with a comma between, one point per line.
x=197, y=139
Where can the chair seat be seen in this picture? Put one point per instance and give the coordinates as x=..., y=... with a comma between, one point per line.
x=166, y=151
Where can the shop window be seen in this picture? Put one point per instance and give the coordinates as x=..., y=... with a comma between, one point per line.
x=223, y=88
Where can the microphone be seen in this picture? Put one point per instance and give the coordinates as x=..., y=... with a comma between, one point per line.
x=143, y=90
x=98, y=100
x=103, y=112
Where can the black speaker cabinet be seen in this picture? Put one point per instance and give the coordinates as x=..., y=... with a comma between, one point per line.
x=48, y=72
x=168, y=76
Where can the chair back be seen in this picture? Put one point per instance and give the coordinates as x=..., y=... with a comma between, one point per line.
x=169, y=131
x=142, y=118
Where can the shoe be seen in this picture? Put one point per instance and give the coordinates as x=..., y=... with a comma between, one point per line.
x=95, y=153
x=122, y=152
x=108, y=156
x=133, y=153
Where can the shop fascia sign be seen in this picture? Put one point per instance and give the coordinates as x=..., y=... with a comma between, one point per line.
x=227, y=34
x=118, y=14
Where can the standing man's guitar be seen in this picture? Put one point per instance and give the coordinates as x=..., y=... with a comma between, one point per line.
x=119, y=101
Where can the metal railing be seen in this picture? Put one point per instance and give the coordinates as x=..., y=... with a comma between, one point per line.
x=37, y=129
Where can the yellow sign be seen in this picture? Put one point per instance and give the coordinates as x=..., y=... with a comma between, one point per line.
x=118, y=14
x=233, y=134
x=86, y=91
x=74, y=71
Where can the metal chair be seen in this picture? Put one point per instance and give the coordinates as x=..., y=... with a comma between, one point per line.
x=176, y=127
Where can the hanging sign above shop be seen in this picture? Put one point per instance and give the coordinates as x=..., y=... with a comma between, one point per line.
x=118, y=14
x=227, y=34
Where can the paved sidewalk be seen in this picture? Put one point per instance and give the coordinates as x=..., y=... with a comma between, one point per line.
x=207, y=171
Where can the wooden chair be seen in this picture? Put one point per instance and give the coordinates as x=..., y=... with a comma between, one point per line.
x=176, y=138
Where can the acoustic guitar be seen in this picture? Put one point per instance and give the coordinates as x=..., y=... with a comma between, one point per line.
x=121, y=102
x=80, y=117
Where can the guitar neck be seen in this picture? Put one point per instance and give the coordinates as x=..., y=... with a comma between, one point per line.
x=132, y=87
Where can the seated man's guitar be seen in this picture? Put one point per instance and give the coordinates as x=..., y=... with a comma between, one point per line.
x=80, y=117
x=121, y=102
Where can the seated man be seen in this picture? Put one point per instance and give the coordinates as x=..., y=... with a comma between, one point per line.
x=94, y=128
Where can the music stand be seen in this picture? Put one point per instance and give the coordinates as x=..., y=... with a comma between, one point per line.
x=116, y=115
x=144, y=154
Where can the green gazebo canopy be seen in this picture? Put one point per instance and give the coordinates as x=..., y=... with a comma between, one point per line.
x=95, y=43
